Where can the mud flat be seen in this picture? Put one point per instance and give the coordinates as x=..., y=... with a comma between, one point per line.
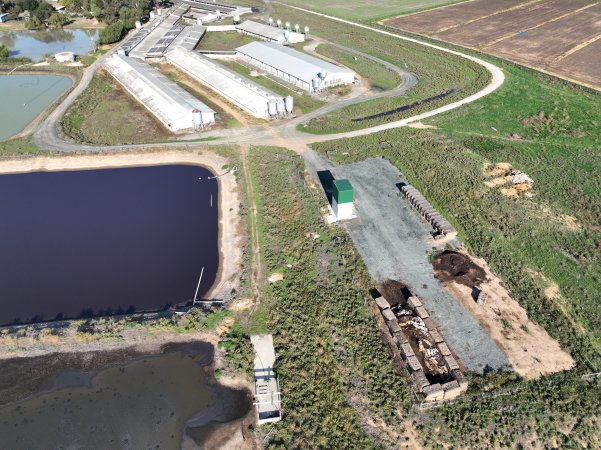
x=126, y=398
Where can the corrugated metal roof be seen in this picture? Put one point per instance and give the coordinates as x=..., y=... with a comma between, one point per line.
x=260, y=29
x=170, y=103
x=241, y=91
x=286, y=59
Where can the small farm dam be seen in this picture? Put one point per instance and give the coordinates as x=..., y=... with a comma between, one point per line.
x=109, y=241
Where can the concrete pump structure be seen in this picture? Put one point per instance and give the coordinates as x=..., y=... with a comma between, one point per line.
x=269, y=33
x=343, y=196
x=252, y=98
x=173, y=106
x=296, y=68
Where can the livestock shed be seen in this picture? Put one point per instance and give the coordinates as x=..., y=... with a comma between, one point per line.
x=298, y=69
x=172, y=105
x=269, y=33
x=242, y=92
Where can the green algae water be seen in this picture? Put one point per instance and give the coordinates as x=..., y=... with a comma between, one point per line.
x=24, y=97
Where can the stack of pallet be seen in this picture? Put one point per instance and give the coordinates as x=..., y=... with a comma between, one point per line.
x=428, y=212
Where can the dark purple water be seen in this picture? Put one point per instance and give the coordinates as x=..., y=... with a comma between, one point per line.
x=76, y=244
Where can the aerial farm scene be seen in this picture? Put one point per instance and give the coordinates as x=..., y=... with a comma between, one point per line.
x=248, y=224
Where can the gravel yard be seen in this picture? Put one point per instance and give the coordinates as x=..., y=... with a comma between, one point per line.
x=395, y=244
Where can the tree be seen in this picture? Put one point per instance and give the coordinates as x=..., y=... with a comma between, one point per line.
x=3, y=51
x=43, y=11
x=58, y=20
x=34, y=23
x=111, y=33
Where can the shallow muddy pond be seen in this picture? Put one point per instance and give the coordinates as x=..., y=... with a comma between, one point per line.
x=97, y=242
x=24, y=97
x=35, y=44
x=140, y=403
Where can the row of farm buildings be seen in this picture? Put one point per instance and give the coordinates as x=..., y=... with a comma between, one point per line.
x=165, y=38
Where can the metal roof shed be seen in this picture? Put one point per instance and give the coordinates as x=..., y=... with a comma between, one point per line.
x=297, y=68
x=172, y=105
x=269, y=33
x=242, y=92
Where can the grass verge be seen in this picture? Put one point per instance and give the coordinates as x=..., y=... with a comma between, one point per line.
x=379, y=77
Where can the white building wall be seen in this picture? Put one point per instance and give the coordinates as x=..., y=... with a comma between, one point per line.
x=343, y=211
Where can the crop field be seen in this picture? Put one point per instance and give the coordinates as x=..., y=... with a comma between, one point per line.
x=442, y=78
x=558, y=36
x=362, y=10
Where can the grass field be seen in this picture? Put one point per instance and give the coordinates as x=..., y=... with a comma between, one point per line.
x=379, y=77
x=104, y=114
x=437, y=72
x=548, y=130
x=334, y=373
x=302, y=103
x=223, y=41
x=366, y=10
x=18, y=147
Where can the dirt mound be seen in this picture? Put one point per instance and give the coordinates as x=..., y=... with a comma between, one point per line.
x=452, y=266
x=394, y=291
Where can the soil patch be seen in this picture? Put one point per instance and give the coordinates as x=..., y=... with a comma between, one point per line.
x=453, y=266
x=528, y=346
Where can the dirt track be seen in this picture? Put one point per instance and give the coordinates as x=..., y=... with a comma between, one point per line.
x=558, y=36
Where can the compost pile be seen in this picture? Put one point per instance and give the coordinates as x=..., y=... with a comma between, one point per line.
x=453, y=266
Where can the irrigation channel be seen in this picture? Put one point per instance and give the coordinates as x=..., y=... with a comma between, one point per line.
x=108, y=241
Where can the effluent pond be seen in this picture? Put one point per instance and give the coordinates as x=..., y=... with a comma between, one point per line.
x=76, y=244
x=128, y=401
x=36, y=44
x=24, y=97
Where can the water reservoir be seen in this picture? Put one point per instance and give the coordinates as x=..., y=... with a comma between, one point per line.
x=24, y=97
x=35, y=44
x=84, y=243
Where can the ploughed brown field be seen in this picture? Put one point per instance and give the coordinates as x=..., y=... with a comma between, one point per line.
x=562, y=37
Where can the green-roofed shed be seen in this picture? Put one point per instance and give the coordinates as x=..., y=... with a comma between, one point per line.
x=343, y=191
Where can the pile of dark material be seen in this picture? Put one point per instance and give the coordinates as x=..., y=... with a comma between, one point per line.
x=454, y=266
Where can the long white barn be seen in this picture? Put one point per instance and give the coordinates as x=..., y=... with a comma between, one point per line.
x=299, y=69
x=242, y=92
x=269, y=33
x=173, y=106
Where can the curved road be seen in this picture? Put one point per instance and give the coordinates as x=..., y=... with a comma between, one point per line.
x=48, y=137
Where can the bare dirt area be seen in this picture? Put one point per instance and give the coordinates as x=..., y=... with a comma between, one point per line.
x=437, y=20
x=561, y=37
x=230, y=239
x=484, y=31
x=529, y=348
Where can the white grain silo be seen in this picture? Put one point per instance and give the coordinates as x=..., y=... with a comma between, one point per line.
x=289, y=104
